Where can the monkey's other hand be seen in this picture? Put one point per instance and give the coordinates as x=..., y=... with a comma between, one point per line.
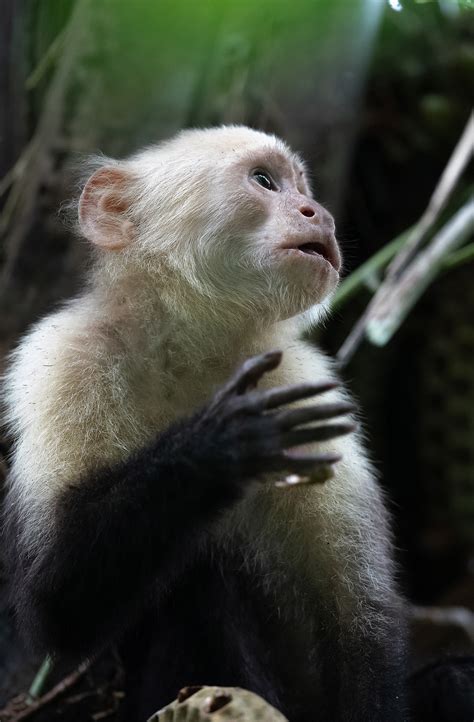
x=252, y=432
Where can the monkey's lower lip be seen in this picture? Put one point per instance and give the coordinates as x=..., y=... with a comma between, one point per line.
x=314, y=250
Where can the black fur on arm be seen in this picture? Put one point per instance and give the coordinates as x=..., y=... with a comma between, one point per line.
x=138, y=522
x=113, y=533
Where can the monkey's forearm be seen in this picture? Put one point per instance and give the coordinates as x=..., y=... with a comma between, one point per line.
x=115, y=532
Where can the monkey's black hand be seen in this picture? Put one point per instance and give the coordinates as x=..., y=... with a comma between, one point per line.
x=252, y=431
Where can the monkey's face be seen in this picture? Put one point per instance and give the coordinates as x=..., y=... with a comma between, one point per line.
x=225, y=213
x=273, y=246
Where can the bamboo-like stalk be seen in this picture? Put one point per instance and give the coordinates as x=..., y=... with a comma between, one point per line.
x=401, y=295
x=449, y=178
x=446, y=184
x=360, y=277
x=38, y=683
x=27, y=174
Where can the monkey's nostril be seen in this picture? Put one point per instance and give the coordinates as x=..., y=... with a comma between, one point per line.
x=307, y=211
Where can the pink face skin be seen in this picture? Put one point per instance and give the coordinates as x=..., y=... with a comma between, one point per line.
x=308, y=228
x=292, y=233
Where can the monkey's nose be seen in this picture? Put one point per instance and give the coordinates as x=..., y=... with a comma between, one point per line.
x=317, y=213
x=307, y=211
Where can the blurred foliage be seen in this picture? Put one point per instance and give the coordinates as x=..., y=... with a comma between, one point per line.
x=418, y=392
x=114, y=76
x=144, y=69
x=417, y=103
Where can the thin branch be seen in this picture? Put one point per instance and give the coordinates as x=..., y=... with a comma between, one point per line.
x=18, y=169
x=353, y=340
x=451, y=174
x=439, y=198
x=359, y=279
x=46, y=61
x=401, y=293
x=361, y=275
x=29, y=171
x=56, y=691
x=463, y=255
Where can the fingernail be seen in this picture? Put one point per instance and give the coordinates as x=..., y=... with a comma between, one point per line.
x=331, y=459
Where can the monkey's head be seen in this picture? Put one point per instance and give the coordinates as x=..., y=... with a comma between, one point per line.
x=223, y=215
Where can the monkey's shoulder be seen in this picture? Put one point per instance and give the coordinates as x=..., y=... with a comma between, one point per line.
x=58, y=362
x=68, y=399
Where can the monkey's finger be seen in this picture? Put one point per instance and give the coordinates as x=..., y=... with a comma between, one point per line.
x=250, y=372
x=316, y=433
x=295, y=417
x=308, y=464
x=272, y=398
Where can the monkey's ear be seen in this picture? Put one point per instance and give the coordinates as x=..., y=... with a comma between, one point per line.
x=103, y=207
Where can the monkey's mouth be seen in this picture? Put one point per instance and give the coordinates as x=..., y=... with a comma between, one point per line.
x=315, y=249
x=319, y=250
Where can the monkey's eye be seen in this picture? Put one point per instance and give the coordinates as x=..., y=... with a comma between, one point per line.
x=264, y=179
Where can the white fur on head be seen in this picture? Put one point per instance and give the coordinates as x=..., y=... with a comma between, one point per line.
x=184, y=211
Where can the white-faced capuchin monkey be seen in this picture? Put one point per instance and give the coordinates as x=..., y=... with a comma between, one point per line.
x=143, y=505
